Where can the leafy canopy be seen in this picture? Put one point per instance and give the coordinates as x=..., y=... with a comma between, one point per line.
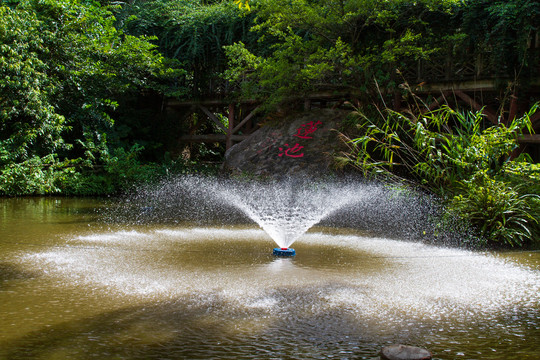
x=63, y=66
x=323, y=44
x=193, y=33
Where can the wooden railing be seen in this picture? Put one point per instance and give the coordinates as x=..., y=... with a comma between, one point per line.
x=465, y=67
x=439, y=69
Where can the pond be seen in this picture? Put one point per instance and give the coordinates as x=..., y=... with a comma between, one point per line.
x=75, y=287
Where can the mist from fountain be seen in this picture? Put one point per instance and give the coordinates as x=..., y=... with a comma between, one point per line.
x=287, y=209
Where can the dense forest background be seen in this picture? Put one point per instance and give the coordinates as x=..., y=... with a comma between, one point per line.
x=83, y=86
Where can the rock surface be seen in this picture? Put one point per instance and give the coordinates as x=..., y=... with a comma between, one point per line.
x=298, y=144
x=404, y=352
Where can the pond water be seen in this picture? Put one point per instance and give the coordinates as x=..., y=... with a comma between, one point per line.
x=74, y=287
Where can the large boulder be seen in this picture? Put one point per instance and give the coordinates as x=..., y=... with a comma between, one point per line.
x=296, y=145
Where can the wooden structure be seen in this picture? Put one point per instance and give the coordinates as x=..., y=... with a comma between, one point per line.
x=469, y=82
x=474, y=83
x=238, y=114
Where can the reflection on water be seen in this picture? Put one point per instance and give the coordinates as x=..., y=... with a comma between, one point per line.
x=73, y=288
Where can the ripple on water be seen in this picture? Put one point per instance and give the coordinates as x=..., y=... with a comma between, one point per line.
x=203, y=291
x=387, y=279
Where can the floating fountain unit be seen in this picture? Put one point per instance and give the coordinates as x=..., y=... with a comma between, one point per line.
x=284, y=252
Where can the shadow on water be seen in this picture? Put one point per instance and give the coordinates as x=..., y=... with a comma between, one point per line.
x=51, y=210
x=207, y=326
x=202, y=327
x=12, y=272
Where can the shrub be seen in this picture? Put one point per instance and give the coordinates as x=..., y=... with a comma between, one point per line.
x=497, y=210
x=457, y=157
x=34, y=176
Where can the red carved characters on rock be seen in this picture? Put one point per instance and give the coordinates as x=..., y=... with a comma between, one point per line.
x=307, y=129
x=303, y=132
x=291, y=151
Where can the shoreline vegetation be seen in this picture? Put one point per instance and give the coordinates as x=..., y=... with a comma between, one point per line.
x=83, y=85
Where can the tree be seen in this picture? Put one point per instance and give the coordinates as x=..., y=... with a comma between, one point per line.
x=29, y=121
x=192, y=32
x=325, y=44
x=64, y=66
x=504, y=33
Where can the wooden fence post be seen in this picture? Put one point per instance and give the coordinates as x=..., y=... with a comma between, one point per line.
x=230, y=128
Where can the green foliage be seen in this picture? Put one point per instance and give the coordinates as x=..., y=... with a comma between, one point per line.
x=241, y=63
x=497, y=210
x=33, y=176
x=522, y=172
x=455, y=156
x=64, y=70
x=524, y=175
x=437, y=149
x=503, y=29
x=191, y=32
x=276, y=77
x=464, y=148
x=243, y=4
x=63, y=66
x=371, y=40
x=324, y=45
x=29, y=122
x=100, y=173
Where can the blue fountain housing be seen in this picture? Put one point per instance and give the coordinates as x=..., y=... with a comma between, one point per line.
x=284, y=252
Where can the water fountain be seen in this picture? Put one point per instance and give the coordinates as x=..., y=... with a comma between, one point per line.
x=287, y=209
x=182, y=270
